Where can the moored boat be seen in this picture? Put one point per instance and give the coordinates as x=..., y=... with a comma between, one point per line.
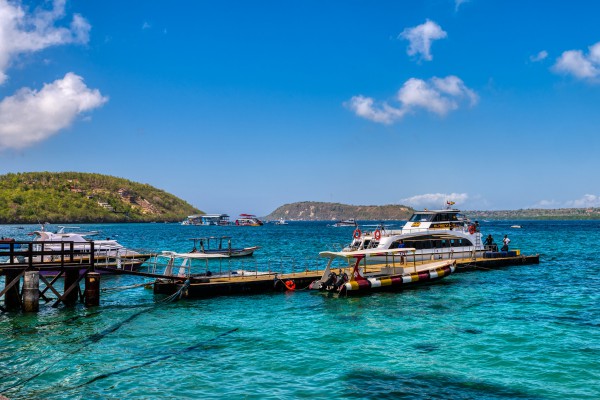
x=248, y=220
x=395, y=274
x=207, y=220
x=221, y=245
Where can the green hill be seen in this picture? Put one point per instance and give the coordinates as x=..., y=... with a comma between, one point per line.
x=319, y=211
x=68, y=197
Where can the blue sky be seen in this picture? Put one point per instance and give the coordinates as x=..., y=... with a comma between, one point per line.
x=245, y=106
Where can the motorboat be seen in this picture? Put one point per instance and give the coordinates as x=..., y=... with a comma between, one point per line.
x=281, y=221
x=394, y=270
x=248, y=220
x=434, y=234
x=220, y=245
x=346, y=222
x=207, y=220
x=516, y=226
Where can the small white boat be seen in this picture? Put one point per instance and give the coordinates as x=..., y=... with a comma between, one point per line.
x=281, y=222
x=221, y=245
x=516, y=226
x=346, y=222
x=207, y=219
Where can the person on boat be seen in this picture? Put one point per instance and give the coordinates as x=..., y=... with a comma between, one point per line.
x=489, y=244
x=506, y=241
x=401, y=244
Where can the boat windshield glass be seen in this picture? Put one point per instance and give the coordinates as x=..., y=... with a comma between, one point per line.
x=421, y=218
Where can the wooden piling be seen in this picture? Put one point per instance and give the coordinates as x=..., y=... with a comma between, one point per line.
x=31, y=291
x=71, y=277
x=92, y=289
x=12, y=298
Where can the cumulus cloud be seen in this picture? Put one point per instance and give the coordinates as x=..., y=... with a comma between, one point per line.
x=587, y=200
x=420, y=38
x=578, y=64
x=31, y=116
x=542, y=55
x=438, y=95
x=21, y=32
x=435, y=200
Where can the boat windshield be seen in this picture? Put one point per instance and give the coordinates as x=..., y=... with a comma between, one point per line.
x=421, y=218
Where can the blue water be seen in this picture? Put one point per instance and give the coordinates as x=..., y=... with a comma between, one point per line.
x=524, y=332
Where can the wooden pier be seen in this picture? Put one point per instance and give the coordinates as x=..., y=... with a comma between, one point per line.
x=33, y=263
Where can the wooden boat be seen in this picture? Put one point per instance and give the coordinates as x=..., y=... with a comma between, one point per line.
x=397, y=273
x=221, y=245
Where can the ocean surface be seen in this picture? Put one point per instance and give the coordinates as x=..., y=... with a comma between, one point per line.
x=522, y=332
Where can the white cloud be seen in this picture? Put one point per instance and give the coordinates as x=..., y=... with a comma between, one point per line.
x=31, y=116
x=21, y=32
x=458, y=3
x=420, y=38
x=542, y=55
x=578, y=64
x=438, y=95
x=435, y=200
x=146, y=25
x=587, y=200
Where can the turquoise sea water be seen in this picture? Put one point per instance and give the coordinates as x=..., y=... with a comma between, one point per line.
x=524, y=332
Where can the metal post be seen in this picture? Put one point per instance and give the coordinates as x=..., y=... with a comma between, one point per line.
x=31, y=291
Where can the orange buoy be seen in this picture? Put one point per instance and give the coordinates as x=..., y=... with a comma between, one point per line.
x=357, y=233
x=290, y=285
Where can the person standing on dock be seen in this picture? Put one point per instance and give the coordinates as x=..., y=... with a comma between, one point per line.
x=506, y=241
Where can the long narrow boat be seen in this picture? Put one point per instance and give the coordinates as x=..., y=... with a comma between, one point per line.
x=395, y=274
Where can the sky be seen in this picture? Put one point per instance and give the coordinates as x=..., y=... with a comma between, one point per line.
x=241, y=107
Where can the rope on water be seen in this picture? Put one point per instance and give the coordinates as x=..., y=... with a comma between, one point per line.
x=178, y=294
x=125, y=287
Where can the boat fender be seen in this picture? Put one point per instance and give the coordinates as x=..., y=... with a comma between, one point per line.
x=471, y=229
x=290, y=285
x=377, y=234
x=357, y=233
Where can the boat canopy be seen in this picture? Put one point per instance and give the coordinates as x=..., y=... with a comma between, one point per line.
x=366, y=253
x=198, y=256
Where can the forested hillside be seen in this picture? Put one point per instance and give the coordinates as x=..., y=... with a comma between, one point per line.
x=67, y=197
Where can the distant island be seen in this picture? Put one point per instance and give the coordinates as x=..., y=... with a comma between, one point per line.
x=321, y=211
x=76, y=197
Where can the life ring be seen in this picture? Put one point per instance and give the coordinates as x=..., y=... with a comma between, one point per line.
x=471, y=229
x=290, y=285
x=377, y=234
x=357, y=233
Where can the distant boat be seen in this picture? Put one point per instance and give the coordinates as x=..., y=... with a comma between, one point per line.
x=346, y=222
x=248, y=220
x=281, y=222
x=207, y=219
x=516, y=226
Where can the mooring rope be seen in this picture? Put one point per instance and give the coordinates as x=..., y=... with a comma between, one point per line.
x=125, y=287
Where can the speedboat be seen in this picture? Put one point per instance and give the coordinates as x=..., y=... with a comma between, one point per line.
x=346, y=222
x=107, y=252
x=393, y=271
x=281, y=221
x=221, y=245
x=434, y=234
x=248, y=220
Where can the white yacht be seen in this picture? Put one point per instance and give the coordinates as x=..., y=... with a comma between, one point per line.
x=434, y=234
